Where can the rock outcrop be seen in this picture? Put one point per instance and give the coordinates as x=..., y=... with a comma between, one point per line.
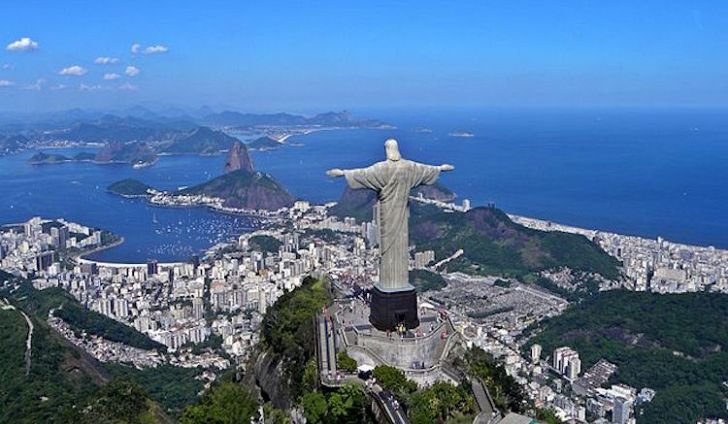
x=238, y=159
x=266, y=375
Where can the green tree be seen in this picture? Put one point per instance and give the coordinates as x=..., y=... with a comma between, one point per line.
x=346, y=362
x=505, y=390
x=274, y=415
x=439, y=403
x=226, y=403
x=310, y=376
x=118, y=402
x=288, y=329
x=315, y=407
x=547, y=415
x=347, y=405
x=393, y=379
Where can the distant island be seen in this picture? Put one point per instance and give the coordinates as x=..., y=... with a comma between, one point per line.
x=41, y=158
x=264, y=143
x=130, y=188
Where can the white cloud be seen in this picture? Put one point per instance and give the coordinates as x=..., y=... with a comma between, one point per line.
x=128, y=87
x=105, y=60
x=25, y=44
x=84, y=87
x=155, y=49
x=6, y=83
x=74, y=70
x=59, y=87
x=135, y=48
x=111, y=76
x=8, y=67
x=38, y=85
x=132, y=71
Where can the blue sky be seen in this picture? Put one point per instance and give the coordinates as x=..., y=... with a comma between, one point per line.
x=315, y=55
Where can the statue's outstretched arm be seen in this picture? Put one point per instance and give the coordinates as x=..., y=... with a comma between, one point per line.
x=359, y=177
x=336, y=172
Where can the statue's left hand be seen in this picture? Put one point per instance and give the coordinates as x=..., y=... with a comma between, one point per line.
x=446, y=167
x=336, y=172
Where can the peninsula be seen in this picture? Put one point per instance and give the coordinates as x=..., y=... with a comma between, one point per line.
x=240, y=189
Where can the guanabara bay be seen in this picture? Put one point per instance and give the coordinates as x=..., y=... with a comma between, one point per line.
x=363, y=212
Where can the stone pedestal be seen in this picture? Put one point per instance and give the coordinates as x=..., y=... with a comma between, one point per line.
x=389, y=308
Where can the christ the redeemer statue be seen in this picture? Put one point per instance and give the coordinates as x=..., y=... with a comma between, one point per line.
x=394, y=300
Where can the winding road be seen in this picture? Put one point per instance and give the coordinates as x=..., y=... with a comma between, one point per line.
x=28, y=342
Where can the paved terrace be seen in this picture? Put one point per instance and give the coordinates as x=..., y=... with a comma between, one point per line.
x=417, y=350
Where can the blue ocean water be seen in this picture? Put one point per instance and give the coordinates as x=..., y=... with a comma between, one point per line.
x=77, y=192
x=641, y=172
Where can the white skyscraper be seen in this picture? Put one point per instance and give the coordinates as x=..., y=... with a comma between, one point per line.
x=536, y=353
x=121, y=308
x=262, y=301
x=566, y=361
x=620, y=413
x=574, y=368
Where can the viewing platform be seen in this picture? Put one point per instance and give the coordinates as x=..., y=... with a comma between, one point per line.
x=419, y=352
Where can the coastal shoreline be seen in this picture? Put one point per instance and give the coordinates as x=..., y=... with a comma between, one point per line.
x=548, y=225
x=81, y=256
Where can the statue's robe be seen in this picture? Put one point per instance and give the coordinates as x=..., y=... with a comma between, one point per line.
x=393, y=180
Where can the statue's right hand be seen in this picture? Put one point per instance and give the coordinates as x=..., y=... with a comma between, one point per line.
x=336, y=172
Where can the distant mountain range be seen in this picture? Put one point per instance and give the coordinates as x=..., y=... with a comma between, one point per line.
x=166, y=132
x=328, y=119
x=127, y=123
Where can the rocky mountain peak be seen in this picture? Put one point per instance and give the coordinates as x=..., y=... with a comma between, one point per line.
x=238, y=158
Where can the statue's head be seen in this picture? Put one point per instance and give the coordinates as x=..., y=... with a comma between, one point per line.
x=392, y=149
